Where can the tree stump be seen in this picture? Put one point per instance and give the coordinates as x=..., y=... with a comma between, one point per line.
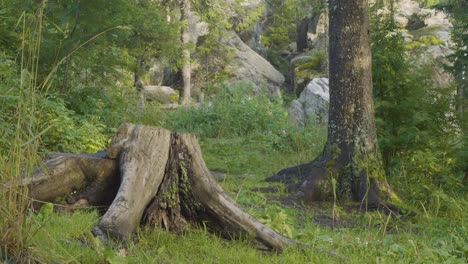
x=149, y=176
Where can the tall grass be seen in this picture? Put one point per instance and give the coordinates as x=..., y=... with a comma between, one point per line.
x=19, y=154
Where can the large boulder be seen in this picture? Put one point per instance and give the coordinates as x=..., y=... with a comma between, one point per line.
x=431, y=41
x=248, y=67
x=408, y=7
x=162, y=94
x=312, y=104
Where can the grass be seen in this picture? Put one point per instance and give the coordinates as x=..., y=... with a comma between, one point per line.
x=371, y=237
x=242, y=159
x=65, y=238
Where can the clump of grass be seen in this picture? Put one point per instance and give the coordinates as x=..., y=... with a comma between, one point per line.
x=18, y=160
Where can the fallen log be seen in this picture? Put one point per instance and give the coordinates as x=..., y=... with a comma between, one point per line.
x=150, y=176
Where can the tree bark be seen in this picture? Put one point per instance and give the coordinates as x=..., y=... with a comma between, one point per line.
x=90, y=177
x=350, y=167
x=142, y=156
x=186, y=68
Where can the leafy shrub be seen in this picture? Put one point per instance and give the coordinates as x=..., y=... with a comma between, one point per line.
x=310, y=67
x=280, y=63
x=70, y=132
x=418, y=131
x=59, y=128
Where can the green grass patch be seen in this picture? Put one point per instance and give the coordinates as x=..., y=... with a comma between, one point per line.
x=374, y=237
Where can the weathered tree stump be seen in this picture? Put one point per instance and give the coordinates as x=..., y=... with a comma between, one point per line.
x=149, y=176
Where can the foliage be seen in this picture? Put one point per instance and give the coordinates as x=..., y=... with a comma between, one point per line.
x=310, y=67
x=457, y=10
x=211, y=56
x=20, y=133
x=417, y=127
x=231, y=114
x=279, y=62
x=247, y=17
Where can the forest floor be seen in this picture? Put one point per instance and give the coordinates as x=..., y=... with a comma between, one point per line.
x=240, y=166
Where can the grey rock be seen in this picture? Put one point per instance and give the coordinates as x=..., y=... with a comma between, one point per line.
x=296, y=113
x=318, y=36
x=248, y=67
x=408, y=7
x=162, y=94
x=292, y=47
x=313, y=103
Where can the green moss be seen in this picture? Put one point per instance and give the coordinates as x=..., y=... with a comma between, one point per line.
x=309, y=67
x=307, y=74
x=430, y=40
x=413, y=45
x=312, y=62
x=427, y=40
x=174, y=98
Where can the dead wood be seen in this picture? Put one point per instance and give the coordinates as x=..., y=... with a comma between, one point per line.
x=143, y=155
x=74, y=177
x=152, y=177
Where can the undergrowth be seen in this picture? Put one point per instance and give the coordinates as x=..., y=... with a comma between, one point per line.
x=244, y=139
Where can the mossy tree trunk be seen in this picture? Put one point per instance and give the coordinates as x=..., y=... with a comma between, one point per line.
x=350, y=166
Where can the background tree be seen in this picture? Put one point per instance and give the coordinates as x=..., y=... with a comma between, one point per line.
x=186, y=9
x=350, y=166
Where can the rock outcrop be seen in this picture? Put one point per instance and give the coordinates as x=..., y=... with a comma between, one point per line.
x=249, y=68
x=426, y=32
x=162, y=94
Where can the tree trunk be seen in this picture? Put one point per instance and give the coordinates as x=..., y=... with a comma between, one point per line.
x=302, y=31
x=148, y=176
x=186, y=68
x=350, y=166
